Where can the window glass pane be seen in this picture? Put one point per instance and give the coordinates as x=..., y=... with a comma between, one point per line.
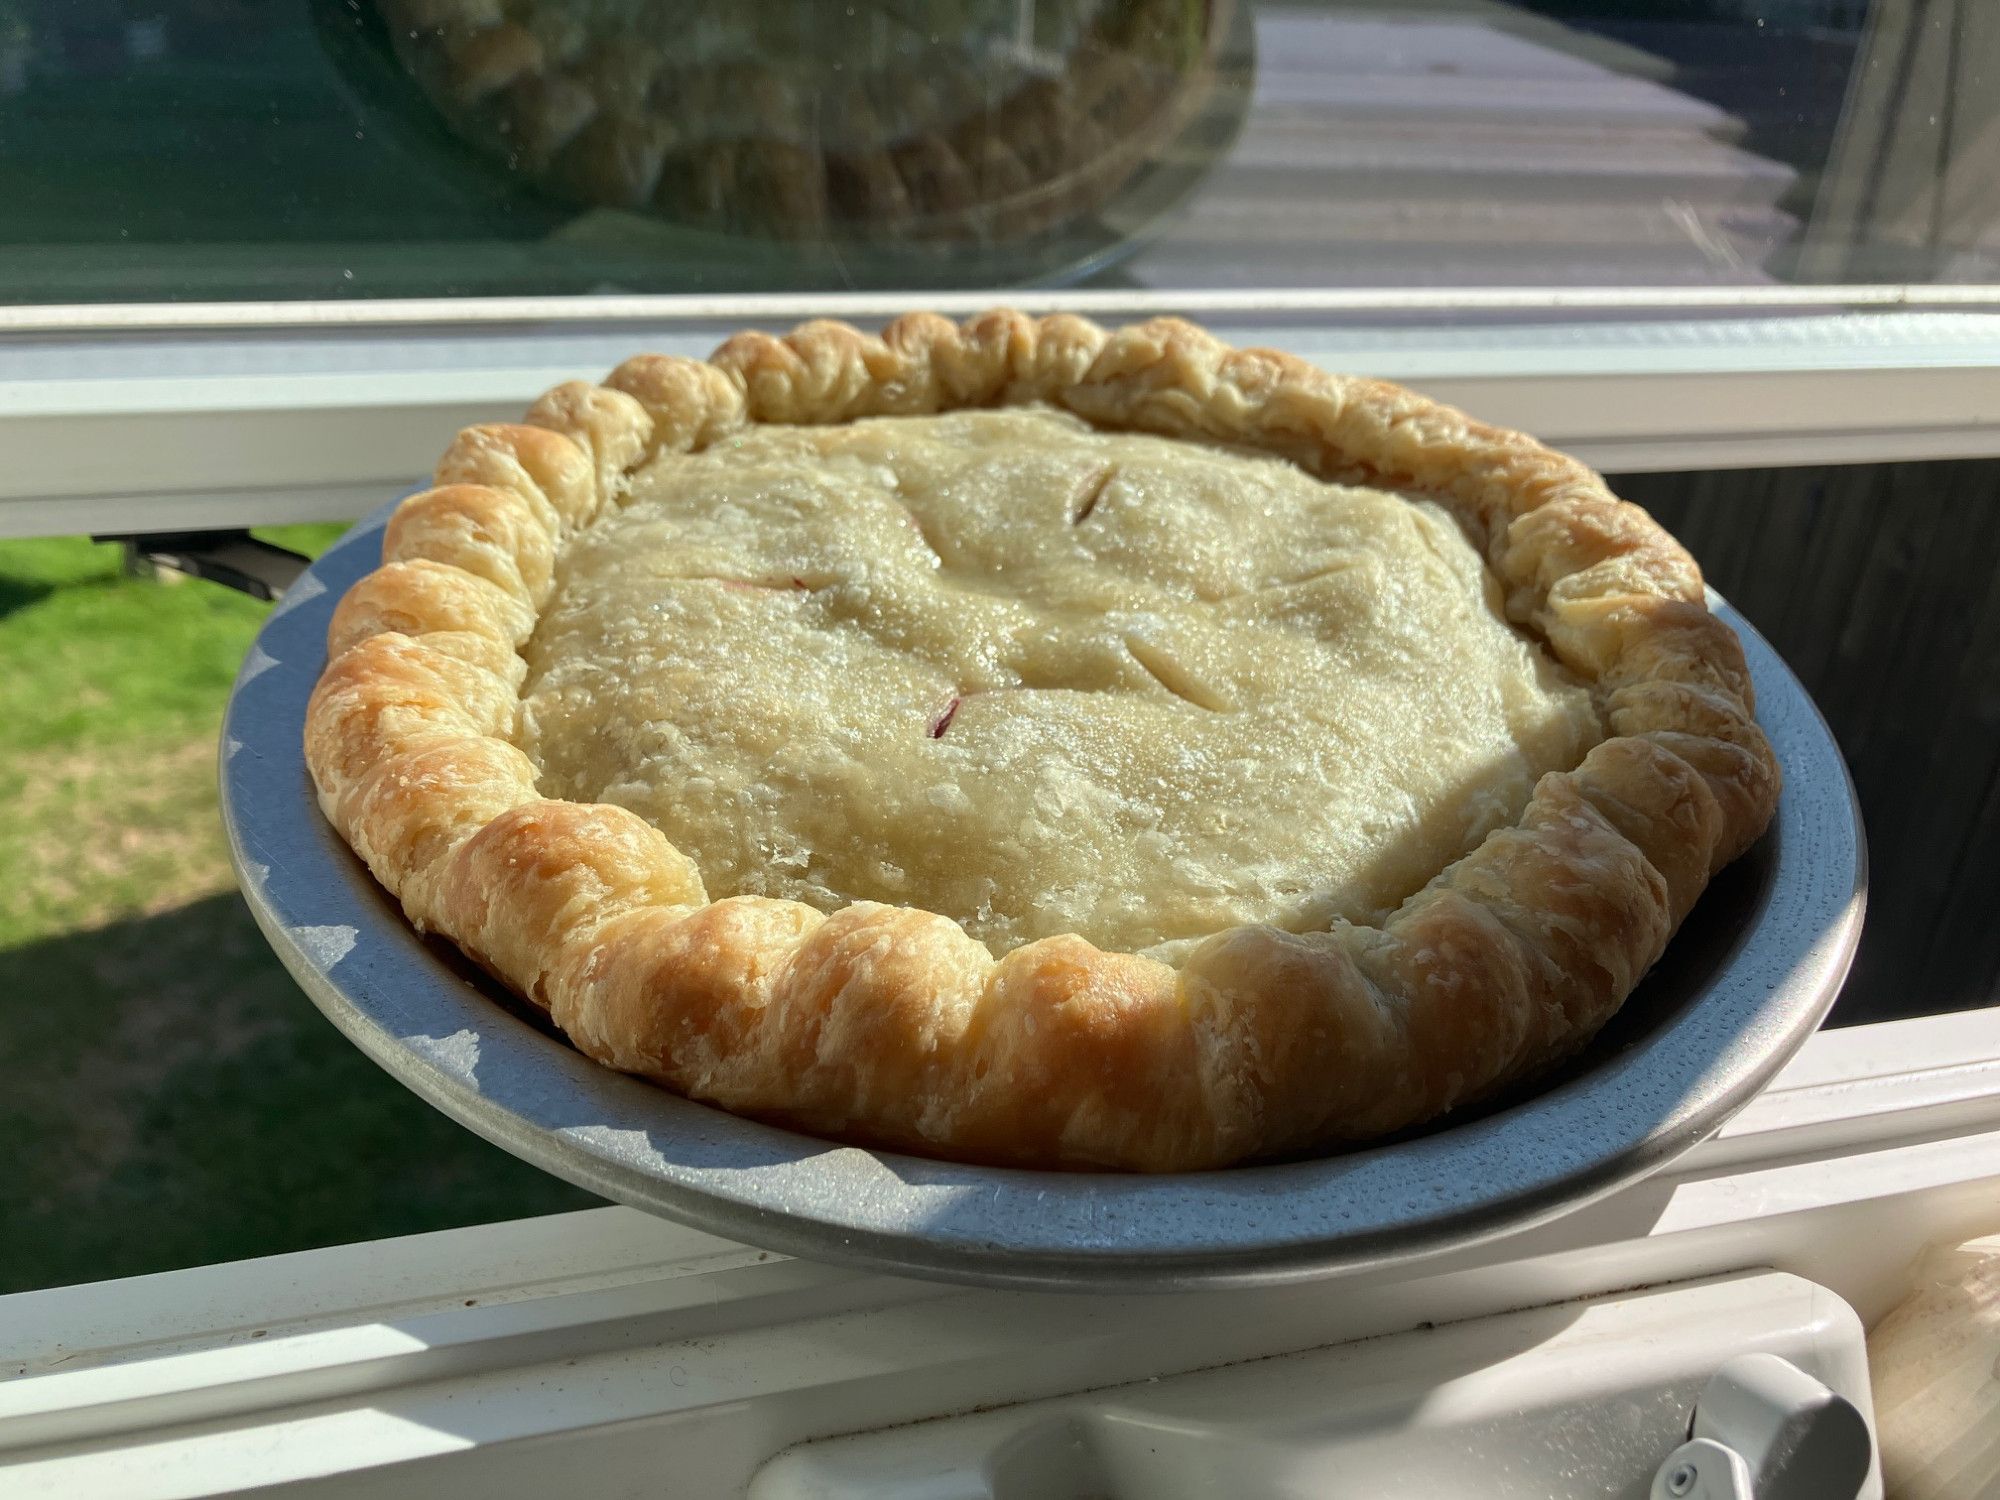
x=1875, y=583
x=168, y=1096
x=166, y=149
x=173, y=1099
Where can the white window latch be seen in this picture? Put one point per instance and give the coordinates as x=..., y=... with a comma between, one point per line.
x=1763, y=1429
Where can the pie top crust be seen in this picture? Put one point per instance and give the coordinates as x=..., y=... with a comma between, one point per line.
x=1040, y=678
x=1283, y=759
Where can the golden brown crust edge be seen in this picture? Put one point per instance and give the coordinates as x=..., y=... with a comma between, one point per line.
x=890, y=1025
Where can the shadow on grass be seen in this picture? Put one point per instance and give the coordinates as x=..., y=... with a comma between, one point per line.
x=19, y=593
x=170, y=1098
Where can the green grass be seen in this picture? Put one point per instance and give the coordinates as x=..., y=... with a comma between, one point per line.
x=95, y=658
x=111, y=692
x=167, y=1095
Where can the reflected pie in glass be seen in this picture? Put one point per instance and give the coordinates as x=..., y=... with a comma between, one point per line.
x=1022, y=743
x=948, y=122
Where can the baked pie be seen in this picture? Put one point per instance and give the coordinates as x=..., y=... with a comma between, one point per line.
x=1023, y=743
x=941, y=123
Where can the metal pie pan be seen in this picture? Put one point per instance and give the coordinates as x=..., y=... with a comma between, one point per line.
x=1749, y=977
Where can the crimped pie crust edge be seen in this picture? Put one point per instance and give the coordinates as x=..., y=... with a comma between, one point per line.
x=890, y=1025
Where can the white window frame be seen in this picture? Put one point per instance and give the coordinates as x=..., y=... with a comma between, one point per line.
x=171, y=417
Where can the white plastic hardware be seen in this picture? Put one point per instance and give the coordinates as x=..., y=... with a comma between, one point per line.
x=1703, y=1469
x=1558, y=1403
x=1766, y=1430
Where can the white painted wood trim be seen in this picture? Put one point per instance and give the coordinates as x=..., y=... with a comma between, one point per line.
x=754, y=307
x=166, y=429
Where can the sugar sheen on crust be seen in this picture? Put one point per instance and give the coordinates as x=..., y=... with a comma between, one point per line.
x=1040, y=678
x=1133, y=985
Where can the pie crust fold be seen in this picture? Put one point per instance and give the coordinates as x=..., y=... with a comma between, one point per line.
x=890, y=1025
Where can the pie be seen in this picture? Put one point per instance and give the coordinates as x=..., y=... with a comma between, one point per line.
x=1022, y=743
x=943, y=123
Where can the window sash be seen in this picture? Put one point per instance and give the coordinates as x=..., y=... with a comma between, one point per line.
x=176, y=417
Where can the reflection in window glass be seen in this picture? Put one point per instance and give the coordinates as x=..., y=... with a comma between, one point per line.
x=158, y=149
